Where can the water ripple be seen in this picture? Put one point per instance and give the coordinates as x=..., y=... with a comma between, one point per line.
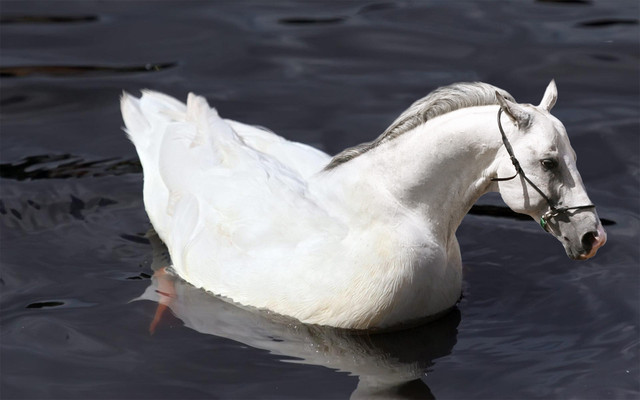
x=79, y=70
x=48, y=19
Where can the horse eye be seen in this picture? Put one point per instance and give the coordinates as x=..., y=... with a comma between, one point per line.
x=549, y=163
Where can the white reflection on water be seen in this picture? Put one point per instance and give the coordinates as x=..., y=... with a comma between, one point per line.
x=387, y=364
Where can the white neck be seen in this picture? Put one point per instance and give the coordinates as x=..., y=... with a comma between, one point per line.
x=435, y=172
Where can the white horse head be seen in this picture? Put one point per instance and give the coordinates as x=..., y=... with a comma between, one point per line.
x=548, y=186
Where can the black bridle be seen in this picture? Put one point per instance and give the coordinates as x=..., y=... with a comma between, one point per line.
x=553, y=211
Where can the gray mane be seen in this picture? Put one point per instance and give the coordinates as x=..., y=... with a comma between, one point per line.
x=441, y=101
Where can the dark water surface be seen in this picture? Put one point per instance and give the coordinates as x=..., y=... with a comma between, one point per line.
x=75, y=250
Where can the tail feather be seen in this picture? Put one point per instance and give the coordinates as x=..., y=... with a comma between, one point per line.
x=136, y=125
x=142, y=115
x=163, y=103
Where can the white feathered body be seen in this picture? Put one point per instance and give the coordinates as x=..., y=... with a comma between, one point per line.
x=251, y=216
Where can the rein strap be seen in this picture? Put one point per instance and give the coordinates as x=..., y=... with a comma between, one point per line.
x=553, y=210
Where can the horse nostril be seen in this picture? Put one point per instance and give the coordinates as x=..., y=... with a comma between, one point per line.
x=589, y=239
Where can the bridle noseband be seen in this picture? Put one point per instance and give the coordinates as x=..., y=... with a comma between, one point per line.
x=553, y=211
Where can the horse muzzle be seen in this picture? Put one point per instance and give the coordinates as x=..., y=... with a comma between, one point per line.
x=580, y=232
x=591, y=242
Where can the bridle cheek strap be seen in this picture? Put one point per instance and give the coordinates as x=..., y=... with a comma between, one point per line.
x=553, y=210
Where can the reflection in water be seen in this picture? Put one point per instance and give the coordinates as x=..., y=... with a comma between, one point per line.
x=387, y=364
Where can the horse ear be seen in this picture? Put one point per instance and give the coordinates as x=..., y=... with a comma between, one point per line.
x=514, y=110
x=550, y=96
